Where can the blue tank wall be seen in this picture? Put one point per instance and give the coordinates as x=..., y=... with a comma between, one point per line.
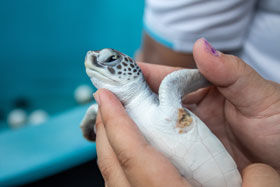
x=43, y=44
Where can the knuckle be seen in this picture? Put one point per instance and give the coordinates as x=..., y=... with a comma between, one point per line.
x=98, y=123
x=106, y=168
x=111, y=121
x=235, y=59
x=129, y=157
x=126, y=159
x=116, y=120
x=240, y=65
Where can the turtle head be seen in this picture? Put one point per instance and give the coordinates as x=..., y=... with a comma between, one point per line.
x=112, y=69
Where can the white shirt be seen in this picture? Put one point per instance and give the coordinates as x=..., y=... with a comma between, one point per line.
x=250, y=25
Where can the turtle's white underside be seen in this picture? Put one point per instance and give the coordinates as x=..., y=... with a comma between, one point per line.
x=197, y=153
x=199, y=156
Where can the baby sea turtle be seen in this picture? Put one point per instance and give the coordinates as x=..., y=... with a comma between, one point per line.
x=174, y=130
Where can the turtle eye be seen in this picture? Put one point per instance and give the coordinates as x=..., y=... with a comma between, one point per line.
x=111, y=59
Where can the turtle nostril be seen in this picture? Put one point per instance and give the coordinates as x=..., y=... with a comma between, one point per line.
x=94, y=61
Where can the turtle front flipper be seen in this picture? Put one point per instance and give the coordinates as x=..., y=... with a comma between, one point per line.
x=177, y=84
x=196, y=152
x=88, y=123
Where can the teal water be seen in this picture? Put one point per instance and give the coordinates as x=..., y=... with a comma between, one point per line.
x=42, y=49
x=43, y=44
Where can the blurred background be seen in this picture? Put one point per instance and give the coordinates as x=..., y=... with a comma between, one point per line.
x=44, y=88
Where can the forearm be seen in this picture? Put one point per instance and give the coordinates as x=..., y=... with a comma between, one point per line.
x=155, y=53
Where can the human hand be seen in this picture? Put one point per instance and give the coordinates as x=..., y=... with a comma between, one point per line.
x=124, y=156
x=126, y=159
x=242, y=109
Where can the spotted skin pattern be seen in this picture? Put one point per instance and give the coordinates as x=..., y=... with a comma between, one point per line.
x=126, y=67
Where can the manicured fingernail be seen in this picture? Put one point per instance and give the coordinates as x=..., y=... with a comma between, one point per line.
x=210, y=48
x=97, y=98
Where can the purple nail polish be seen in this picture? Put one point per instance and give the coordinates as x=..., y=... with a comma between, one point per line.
x=210, y=48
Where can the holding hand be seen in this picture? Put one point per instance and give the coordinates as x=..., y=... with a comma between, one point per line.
x=241, y=110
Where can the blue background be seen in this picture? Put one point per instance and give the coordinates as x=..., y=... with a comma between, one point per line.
x=43, y=44
x=42, y=49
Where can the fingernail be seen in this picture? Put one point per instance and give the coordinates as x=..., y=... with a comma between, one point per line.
x=94, y=128
x=210, y=49
x=97, y=98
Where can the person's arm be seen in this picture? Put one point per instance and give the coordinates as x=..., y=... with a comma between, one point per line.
x=156, y=53
x=172, y=27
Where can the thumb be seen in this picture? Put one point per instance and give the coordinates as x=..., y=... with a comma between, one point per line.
x=260, y=175
x=238, y=82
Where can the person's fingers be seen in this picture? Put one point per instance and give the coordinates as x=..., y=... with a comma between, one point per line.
x=195, y=97
x=235, y=79
x=142, y=164
x=260, y=175
x=107, y=161
x=154, y=74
